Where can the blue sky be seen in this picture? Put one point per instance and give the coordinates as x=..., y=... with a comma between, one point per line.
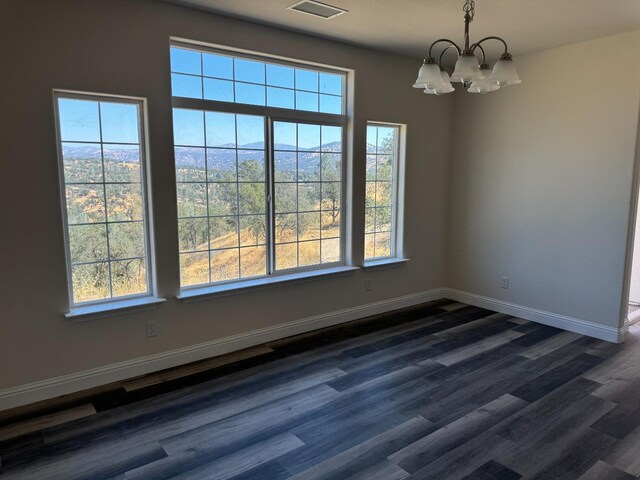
x=189, y=129
x=80, y=121
x=252, y=82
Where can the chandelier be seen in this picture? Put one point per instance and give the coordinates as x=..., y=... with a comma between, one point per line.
x=476, y=77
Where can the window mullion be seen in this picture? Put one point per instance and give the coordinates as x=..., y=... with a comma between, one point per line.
x=206, y=191
x=394, y=196
x=269, y=177
x=106, y=208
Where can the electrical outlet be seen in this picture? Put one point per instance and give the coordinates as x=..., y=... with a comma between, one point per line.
x=151, y=329
x=505, y=282
x=367, y=284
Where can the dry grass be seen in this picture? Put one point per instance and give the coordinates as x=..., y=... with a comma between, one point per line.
x=249, y=261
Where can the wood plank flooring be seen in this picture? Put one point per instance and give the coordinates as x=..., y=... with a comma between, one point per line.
x=443, y=391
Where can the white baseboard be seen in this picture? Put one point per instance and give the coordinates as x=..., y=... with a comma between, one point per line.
x=75, y=382
x=584, y=327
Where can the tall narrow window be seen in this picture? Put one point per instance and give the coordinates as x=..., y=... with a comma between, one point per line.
x=103, y=165
x=259, y=162
x=382, y=197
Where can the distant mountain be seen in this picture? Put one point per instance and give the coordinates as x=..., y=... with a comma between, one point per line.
x=193, y=157
x=89, y=151
x=253, y=146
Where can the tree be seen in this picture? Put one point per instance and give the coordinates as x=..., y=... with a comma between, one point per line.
x=192, y=233
x=252, y=198
x=388, y=143
x=384, y=167
x=331, y=187
x=306, y=222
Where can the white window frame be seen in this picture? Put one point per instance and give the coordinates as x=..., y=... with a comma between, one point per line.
x=271, y=115
x=97, y=308
x=397, y=199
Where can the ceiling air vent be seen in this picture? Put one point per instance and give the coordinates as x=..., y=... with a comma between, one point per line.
x=317, y=9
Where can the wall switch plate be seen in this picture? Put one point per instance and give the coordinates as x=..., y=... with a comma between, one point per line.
x=151, y=329
x=367, y=284
x=505, y=282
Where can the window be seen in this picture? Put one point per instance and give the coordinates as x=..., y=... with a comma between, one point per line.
x=103, y=163
x=220, y=170
x=259, y=162
x=308, y=166
x=382, y=197
x=221, y=77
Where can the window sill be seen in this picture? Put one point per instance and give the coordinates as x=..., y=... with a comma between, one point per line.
x=203, y=293
x=386, y=262
x=121, y=307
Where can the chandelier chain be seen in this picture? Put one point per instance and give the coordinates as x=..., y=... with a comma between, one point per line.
x=470, y=8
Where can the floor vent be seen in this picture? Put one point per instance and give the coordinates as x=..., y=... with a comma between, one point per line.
x=317, y=9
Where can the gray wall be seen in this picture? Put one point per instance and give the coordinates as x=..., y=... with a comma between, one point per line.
x=122, y=47
x=541, y=181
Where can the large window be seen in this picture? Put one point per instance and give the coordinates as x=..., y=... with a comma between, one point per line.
x=259, y=166
x=103, y=177
x=382, y=200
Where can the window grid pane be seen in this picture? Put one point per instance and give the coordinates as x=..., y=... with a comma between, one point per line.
x=381, y=192
x=105, y=199
x=226, y=78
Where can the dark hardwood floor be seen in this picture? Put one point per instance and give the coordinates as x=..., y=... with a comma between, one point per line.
x=445, y=391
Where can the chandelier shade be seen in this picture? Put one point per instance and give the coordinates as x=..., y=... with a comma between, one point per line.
x=446, y=86
x=443, y=87
x=476, y=75
x=504, y=72
x=467, y=69
x=429, y=76
x=483, y=83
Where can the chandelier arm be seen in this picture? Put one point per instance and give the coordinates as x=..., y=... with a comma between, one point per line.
x=477, y=44
x=444, y=51
x=484, y=56
x=453, y=44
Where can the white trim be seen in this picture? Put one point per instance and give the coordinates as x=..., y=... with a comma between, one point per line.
x=110, y=309
x=54, y=387
x=384, y=262
x=577, y=325
x=261, y=56
x=625, y=319
x=398, y=192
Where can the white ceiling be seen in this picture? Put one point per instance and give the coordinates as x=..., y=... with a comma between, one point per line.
x=407, y=26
